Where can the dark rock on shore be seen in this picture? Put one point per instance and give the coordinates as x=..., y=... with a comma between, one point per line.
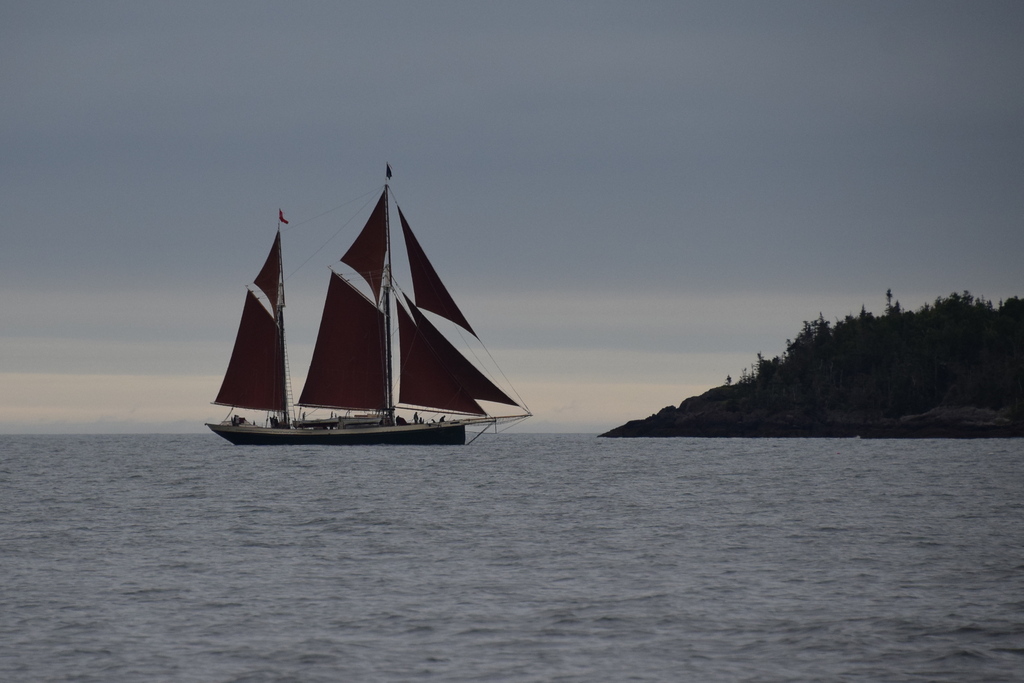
x=952, y=369
x=716, y=414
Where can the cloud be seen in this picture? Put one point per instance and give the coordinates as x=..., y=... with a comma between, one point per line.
x=663, y=178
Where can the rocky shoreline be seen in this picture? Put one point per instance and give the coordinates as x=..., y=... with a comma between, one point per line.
x=715, y=414
x=953, y=369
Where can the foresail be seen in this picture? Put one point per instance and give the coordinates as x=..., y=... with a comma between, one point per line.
x=347, y=369
x=431, y=367
x=269, y=279
x=254, y=378
x=425, y=379
x=431, y=294
x=366, y=255
x=465, y=373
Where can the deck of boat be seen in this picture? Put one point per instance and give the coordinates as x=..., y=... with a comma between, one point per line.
x=423, y=434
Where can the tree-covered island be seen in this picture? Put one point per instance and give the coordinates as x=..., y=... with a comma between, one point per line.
x=952, y=369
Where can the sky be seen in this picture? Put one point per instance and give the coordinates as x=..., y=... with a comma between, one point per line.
x=629, y=200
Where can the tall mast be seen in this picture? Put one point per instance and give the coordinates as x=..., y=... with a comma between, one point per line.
x=389, y=410
x=279, y=319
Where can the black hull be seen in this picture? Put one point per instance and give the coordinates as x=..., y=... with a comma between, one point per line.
x=407, y=435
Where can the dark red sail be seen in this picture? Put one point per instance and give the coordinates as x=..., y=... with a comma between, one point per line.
x=255, y=375
x=347, y=369
x=269, y=279
x=425, y=379
x=474, y=382
x=431, y=293
x=367, y=253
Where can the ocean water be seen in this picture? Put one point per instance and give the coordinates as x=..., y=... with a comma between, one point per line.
x=517, y=558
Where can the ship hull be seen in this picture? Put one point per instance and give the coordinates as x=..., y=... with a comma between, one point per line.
x=430, y=434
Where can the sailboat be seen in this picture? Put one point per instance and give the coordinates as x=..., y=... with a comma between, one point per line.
x=351, y=373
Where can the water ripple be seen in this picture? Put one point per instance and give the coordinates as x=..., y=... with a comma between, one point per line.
x=523, y=558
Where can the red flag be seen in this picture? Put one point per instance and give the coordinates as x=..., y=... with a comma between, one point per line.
x=280, y=216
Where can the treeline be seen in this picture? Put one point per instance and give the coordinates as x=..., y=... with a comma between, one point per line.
x=959, y=351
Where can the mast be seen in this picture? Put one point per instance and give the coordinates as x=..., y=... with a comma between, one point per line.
x=283, y=350
x=257, y=377
x=389, y=402
x=271, y=281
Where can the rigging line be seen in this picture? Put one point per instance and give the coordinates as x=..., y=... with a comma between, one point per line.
x=472, y=350
x=485, y=370
x=494, y=363
x=507, y=383
x=512, y=422
x=480, y=433
x=471, y=347
x=447, y=369
x=298, y=224
x=336, y=233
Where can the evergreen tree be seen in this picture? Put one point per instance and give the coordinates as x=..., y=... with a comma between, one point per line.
x=959, y=351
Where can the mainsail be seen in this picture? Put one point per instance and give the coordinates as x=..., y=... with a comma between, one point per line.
x=350, y=367
x=255, y=377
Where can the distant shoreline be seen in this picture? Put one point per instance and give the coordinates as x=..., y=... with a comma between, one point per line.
x=712, y=416
x=953, y=369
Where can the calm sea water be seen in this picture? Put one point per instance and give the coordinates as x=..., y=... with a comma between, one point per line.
x=518, y=558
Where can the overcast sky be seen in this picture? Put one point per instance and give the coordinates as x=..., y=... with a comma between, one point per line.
x=629, y=200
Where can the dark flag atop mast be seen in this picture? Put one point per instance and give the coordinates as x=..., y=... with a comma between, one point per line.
x=388, y=172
